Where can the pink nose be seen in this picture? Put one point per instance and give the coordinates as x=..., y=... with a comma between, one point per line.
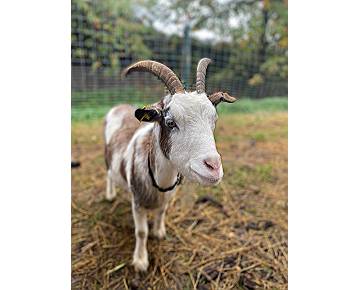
x=213, y=163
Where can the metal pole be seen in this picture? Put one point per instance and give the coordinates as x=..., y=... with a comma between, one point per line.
x=186, y=56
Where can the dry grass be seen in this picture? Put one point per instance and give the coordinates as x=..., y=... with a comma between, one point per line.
x=233, y=236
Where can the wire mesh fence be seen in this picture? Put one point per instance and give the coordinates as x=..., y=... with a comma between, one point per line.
x=103, y=45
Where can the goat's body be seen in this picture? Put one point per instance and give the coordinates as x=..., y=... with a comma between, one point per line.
x=128, y=145
x=148, y=159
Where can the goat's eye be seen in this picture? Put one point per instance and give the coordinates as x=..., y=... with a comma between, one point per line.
x=170, y=123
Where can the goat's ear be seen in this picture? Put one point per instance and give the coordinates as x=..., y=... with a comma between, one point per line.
x=149, y=114
x=219, y=97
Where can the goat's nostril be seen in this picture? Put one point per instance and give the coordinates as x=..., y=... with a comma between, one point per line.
x=212, y=163
x=209, y=165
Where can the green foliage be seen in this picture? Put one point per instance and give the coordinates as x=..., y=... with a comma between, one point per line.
x=275, y=66
x=259, y=41
x=195, y=13
x=104, y=31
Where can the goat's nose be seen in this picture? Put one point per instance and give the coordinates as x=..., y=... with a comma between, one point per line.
x=213, y=162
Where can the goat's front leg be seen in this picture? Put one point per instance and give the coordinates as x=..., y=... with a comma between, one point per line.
x=110, y=187
x=159, y=230
x=140, y=258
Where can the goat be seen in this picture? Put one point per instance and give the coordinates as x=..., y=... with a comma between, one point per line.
x=174, y=138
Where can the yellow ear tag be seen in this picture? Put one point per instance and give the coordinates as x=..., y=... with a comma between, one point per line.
x=145, y=116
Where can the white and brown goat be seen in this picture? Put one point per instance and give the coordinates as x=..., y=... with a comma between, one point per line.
x=149, y=158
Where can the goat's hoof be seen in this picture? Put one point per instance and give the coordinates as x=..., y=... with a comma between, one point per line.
x=110, y=197
x=160, y=233
x=140, y=265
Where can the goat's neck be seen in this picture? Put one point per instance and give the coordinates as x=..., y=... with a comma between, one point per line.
x=165, y=173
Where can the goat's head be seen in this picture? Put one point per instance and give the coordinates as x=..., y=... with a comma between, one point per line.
x=186, y=122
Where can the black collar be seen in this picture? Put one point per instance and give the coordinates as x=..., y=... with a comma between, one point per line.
x=178, y=180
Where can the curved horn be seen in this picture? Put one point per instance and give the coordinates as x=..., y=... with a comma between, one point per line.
x=166, y=75
x=201, y=74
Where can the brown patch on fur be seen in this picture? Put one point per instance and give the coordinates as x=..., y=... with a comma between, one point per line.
x=146, y=142
x=122, y=170
x=141, y=234
x=133, y=181
x=136, y=182
x=119, y=141
x=144, y=196
x=107, y=157
x=152, y=155
x=164, y=139
x=138, y=187
x=165, y=142
x=121, y=137
x=106, y=150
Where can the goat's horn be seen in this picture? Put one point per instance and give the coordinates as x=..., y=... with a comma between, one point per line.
x=166, y=75
x=201, y=74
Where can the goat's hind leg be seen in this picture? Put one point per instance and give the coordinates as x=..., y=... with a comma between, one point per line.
x=110, y=187
x=140, y=258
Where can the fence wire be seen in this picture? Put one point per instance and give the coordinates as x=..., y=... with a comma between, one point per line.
x=102, y=48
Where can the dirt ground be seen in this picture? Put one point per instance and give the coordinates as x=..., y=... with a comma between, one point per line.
x=232, y=236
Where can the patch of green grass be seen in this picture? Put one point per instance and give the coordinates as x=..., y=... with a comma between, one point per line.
x=257, y=136
x=88, y=114
x=238, y=177
x=264, y=172
x=268, y=135
x=243, y=176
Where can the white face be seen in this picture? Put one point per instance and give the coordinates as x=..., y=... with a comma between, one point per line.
x=189, y=123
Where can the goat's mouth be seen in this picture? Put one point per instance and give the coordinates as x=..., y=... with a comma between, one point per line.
x=205, y=179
